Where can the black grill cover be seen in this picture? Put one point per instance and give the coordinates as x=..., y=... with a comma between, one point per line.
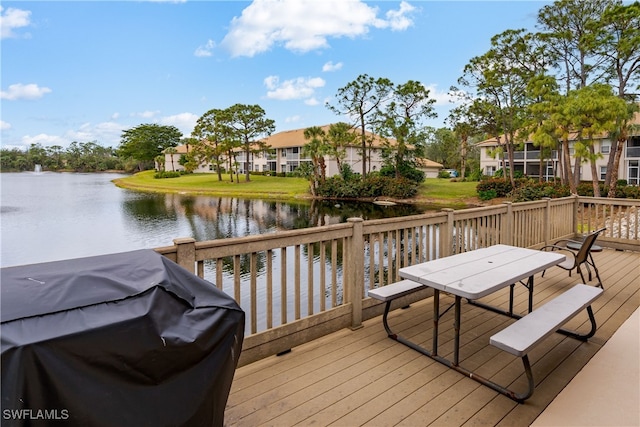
x=128, y=339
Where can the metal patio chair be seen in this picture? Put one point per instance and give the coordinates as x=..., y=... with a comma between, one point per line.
x=577, y=258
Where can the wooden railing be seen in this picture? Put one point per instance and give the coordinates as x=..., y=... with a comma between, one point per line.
x=298, y=285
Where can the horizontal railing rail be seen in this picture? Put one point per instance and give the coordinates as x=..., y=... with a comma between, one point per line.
x=298, y=285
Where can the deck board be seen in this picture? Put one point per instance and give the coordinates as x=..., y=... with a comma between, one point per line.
x=361, y=377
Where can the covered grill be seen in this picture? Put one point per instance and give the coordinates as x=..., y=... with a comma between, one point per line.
x=121, y=339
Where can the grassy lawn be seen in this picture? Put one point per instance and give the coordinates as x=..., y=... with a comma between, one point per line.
x=432, y=190
x=264, y=187
x=444, y=189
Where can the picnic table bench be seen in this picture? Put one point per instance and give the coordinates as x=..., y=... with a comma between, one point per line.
x=520, y=337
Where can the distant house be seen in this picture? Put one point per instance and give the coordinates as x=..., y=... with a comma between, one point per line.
x=285, y=154
x=528, y=161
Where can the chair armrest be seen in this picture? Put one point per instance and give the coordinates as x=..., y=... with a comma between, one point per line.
x=563, y=242
x=558, y=248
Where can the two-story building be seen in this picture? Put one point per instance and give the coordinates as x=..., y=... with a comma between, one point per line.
x=530, y=162
x=285, y=153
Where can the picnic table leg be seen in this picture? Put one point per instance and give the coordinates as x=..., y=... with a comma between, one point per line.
x=511, y=299
x=456, y=327
x=436, y=319
x=385, y=321
x=509, y=312
x=529, y=286
x=579, y=336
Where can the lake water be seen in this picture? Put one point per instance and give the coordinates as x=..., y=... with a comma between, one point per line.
x=53, y=216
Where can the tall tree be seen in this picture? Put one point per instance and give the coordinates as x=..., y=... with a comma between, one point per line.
x=144, y=142
x=247, y=124
x=361, y=100
x=566, y=27
x=539, y=125
x=403, y=119
x=212, y=140
x=595, y=112
x=616, y=39
x=499, y=79
x=444, y=147
x=463, y=123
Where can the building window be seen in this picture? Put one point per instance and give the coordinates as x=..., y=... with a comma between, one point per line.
x=605, y=147
x=603, y=172
x=491, y=170
x=634, y=172
x=550, y=173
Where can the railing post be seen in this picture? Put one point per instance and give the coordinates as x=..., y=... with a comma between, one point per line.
x=547, y=221
x=356, y=277
x=186, y=253
x=447, y=239
x=576, y=207
x=508, y=229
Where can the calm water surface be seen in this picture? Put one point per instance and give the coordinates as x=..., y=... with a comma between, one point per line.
x=53, y=216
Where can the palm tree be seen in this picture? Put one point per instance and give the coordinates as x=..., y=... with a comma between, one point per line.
x=171, y=151
x=315, y=150
x=339, y=137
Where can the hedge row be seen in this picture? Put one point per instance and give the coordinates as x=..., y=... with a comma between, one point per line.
x=526, y=189
x=371, y=186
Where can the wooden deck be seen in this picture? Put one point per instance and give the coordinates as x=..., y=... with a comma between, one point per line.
x=354, y=378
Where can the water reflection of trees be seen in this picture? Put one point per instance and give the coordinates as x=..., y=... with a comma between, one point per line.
x=211, y=218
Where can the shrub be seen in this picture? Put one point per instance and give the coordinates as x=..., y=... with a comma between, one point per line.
x=346, y=172
x=475, y=175
x=631, y=192
x=501, y=187
x=406, y=170
x=166, y=174
x=374, y=185
x=401, y=188
x=487, y=194
x=585, y=188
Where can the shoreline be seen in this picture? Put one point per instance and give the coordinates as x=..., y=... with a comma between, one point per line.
x=462, y=203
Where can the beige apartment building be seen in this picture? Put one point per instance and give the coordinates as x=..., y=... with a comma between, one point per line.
x=528, y=160
x=286, y=153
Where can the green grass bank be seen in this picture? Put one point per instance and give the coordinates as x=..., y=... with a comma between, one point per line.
x=432, y=191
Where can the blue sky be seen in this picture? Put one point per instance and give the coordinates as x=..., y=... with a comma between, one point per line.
x=87, y=70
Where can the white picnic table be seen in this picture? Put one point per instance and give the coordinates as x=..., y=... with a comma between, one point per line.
x=481, y=272
x=473, y=275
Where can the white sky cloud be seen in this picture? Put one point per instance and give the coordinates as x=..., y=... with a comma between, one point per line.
x=330, y=66
x=4, y=125
x=43, y=139
x=146, y=114
x=12, y=19
x=185, y=122
x=441, y=97
x=399, y=19
x=299, y=88
x=305, y=26
x=21, y=91
x=206, y=49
